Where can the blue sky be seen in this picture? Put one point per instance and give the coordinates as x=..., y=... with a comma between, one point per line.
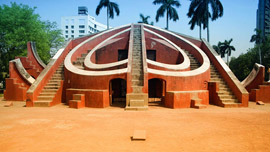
x=238, y=21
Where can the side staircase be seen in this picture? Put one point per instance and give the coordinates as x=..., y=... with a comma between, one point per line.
x=225, y=94
x=194, y=64
x=137, y=100
x=49, y=91
x=79, y=62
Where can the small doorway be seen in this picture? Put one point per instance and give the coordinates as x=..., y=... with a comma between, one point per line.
x=156, y=92
x=151, y=55
x=118, y=91
x=122, y=54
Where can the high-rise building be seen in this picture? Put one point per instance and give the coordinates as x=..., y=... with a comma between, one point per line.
x=263, y=17
x=80, y=25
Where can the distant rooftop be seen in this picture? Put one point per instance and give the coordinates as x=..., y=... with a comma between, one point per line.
x=82, y=10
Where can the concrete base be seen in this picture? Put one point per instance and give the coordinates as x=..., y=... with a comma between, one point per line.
x=137, y=101
x=144, y=108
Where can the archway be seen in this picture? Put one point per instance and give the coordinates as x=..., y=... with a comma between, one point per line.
x=156, y=92
x=118, y=91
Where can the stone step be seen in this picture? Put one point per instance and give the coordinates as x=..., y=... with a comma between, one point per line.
x=137, y=89
x=45, y=98
x=53, y=84
x=137, y=82
x=225, y=93
x=49, y=90
x=83, y=55
x=51, y=87
x=54, y=81
x=231, y=105
x=226, y=96
x=47, y=94
x=229, y=100
x=42, y=103
x=136, y=103
x=56, y=78
x=199, y=106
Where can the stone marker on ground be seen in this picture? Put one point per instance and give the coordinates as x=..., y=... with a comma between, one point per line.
x=139, y=135
x=8, y=104
x=260, y=103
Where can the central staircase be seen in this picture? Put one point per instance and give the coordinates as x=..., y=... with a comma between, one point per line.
x=225, y=94
x=46, y=96
x=137, y=100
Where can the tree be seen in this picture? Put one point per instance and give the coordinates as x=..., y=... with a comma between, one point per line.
x=227, y=48
x=217, y=48
x=111, y=8
x=18, y=25
x=199, y=10
x=54, y=36
x=144, y=19
x=196, y=18
x=168, y=7
x=258, y=39
x=242, y=65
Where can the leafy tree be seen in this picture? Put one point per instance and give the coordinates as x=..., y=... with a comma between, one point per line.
x=54, y=36
x=111, y=8
x=168, y=7
x=200, y=13
x=144, y=19
x=18, y=25
x=227, y=48
x=258, y=39
x=242, y=65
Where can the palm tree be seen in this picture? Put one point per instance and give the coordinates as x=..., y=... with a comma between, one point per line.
x=227, y=48
x=167, y=5
x=111, y=8
x=200, y=10
x=144, y=19
x=258, y=39
x=217, y=48
x=196, y=20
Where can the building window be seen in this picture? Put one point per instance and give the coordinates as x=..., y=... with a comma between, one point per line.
x=66, y=21
x=72, y=21
x=72, y=31
x=66, y=27
x=81, y=31
x=81, y=26
x=95, y=25
x=66, y=31
x=72, y=36
x=81, y=21
x=72, y=26
x=80, y=35
x=66, y=36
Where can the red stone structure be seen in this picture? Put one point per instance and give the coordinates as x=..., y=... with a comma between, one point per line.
x=258, y=89
x=135, y=66
x=23, y=71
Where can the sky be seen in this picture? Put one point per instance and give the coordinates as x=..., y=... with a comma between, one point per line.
x=238, y=21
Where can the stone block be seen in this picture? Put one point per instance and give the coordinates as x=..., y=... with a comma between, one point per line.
x=8, y=104
x=260, y=103
x=139, y=135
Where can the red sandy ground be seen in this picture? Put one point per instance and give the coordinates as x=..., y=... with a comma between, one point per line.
x=61, y=129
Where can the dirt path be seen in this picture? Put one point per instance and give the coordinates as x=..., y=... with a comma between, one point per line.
x=60, y=129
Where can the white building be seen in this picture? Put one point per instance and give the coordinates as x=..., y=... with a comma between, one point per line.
x=83, y=24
